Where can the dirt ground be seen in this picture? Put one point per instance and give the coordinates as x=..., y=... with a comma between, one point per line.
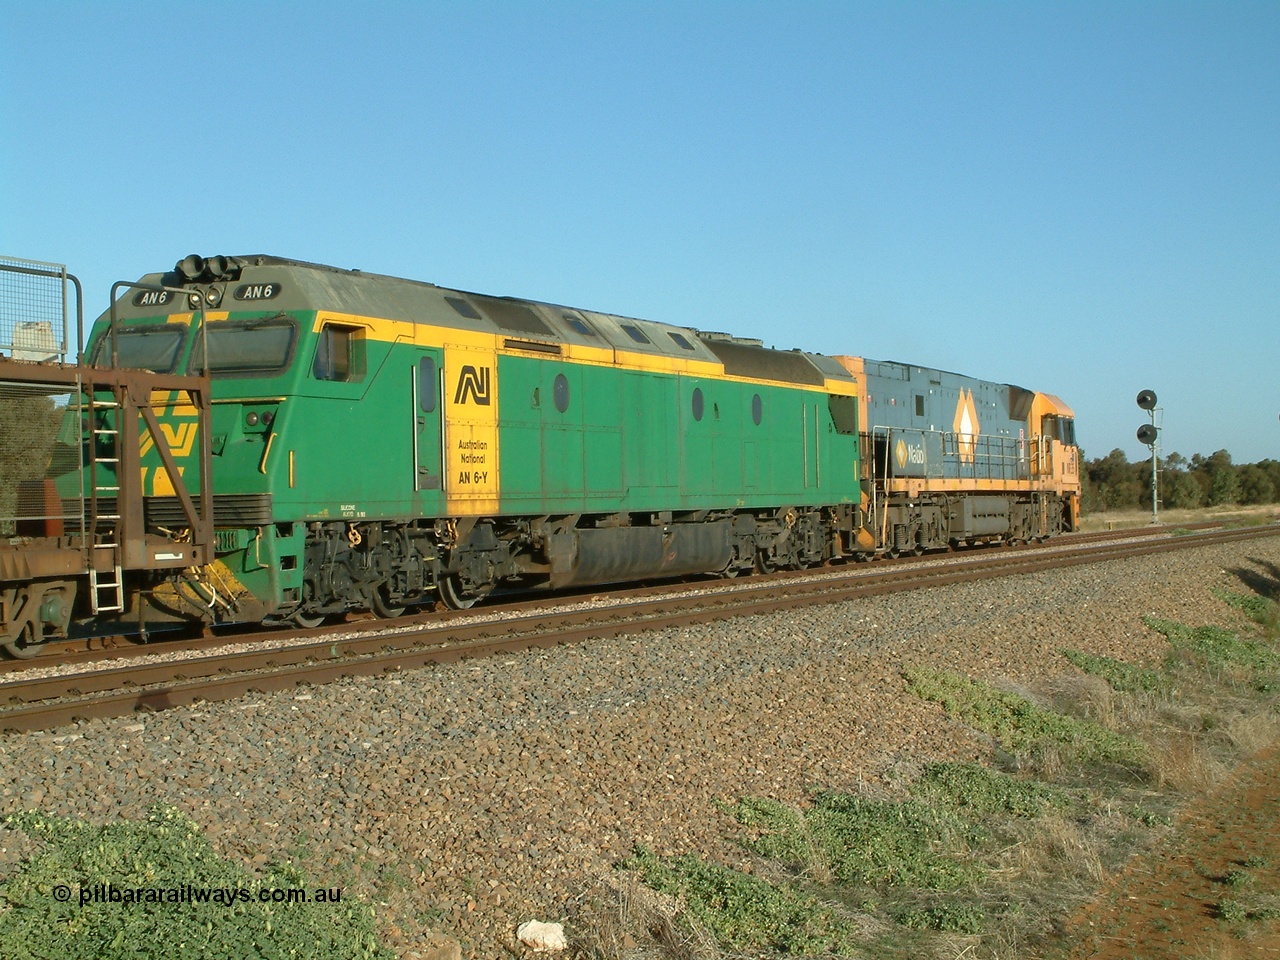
x=1169, y=903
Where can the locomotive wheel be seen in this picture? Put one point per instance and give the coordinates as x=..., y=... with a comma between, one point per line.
x=20, y=647
x=764, y=563
x=454, y=597
x=731, y=571
x=307, y=621
x=383, y=607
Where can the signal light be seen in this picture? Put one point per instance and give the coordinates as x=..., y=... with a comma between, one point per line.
x=1149, y=435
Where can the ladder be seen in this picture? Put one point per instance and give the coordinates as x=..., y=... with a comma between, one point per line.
x=106, y=586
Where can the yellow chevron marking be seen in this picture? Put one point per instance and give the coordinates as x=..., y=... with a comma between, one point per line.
x=180, y=438
x=966, y=425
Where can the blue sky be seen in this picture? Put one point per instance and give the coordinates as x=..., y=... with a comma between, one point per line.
x=1076, y=197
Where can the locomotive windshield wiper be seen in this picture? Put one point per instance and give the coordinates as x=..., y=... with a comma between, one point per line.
x=263, y=321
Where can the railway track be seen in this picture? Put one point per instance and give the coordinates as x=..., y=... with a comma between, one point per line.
x=102, y=648
x=122, y=685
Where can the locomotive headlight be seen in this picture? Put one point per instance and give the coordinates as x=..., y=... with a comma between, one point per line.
x=267, y=418
x=251, y=419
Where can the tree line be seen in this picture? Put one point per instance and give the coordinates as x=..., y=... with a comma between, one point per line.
x=29, y=423
x=1113, y=483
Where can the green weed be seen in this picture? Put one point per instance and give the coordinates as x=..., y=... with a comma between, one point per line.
x=946, y=917
x=863, y=841
x=977, y=791
x=744, y=912
x=1220, y=651
x=1232, y=910
x=1239, y=878
x=1018, y=724
x=1119, y=675
x=47, y=916
x=1260, y=610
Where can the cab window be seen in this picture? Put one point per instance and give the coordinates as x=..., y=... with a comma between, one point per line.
x=1059, y=428
x=340, y=354
x=153, y=347
x=247, y=348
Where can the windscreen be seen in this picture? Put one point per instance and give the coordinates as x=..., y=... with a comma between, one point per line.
x=251, y=348
x=155, y=347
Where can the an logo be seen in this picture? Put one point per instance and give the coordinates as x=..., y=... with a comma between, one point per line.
x=180, y=437
x=966, y=425
x=474, y=384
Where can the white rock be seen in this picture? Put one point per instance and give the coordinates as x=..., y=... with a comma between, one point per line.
x=542, y=937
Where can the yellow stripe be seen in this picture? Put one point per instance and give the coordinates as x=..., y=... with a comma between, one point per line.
x=429, y=335
x=914, y=486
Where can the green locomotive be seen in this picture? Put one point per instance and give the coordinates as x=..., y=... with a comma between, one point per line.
x=376, y=442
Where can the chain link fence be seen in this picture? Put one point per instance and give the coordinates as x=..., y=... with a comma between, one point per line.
x=33, y=310
x=33, y=327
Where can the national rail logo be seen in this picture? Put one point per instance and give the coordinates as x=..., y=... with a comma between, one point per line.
x=966, y=425
x=475, y=384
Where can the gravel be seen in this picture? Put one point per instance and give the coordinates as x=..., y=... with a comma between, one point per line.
x=466, y=799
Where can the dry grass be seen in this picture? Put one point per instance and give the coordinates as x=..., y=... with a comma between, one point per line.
x=619, y=918
x=1067, y=847
x=1120, y=519
x=1184, y=765
x=1254, y=732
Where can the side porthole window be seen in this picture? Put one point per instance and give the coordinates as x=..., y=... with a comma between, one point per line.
x=699, y=404
x=757, y=409
x=428, y=385
x=560, y=391
x=340, y=354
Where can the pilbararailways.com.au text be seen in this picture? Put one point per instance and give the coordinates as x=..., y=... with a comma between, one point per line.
x=189, y=893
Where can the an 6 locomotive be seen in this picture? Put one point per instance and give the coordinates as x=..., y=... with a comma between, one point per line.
x=367, y=442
